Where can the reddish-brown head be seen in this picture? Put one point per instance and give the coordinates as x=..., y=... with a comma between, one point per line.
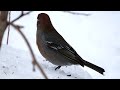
x=44, y=21
x=43, y=17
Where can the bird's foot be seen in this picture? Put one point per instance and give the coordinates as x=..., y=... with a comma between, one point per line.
x=57, y=67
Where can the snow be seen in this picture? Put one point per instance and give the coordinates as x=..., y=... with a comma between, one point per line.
x=16, y=64
x=95, y=38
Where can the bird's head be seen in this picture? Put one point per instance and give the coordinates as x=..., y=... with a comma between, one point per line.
x=44, y=21
x=43, y=17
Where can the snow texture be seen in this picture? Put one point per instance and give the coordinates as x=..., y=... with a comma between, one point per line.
x=17, y=64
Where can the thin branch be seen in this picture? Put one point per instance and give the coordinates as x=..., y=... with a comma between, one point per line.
x=21, y=15
x=75, y=13
x=8, y=27
x=17, y=27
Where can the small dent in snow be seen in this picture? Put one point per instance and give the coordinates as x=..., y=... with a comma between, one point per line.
x=3, y=66
x=17, y=57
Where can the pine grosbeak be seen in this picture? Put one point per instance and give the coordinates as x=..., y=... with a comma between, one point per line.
x=55, y=49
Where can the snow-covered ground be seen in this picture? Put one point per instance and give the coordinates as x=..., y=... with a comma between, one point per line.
x=17, y=64
x=95, y=38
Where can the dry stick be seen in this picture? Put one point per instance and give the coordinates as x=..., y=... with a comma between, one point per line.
x=21, y=15
x=8, y=28
x=75, y=13
x=33, y=56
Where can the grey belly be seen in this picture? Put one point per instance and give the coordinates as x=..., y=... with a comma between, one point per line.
x=58, y=59
x=59, y=62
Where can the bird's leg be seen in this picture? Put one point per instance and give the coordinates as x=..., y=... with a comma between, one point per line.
x=57, y=67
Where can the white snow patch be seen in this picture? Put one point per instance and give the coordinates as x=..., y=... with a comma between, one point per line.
x=17, y=64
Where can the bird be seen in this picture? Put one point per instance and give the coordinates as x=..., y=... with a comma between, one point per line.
x=55, y=49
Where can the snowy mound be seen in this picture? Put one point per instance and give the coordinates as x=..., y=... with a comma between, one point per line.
x=17, y=64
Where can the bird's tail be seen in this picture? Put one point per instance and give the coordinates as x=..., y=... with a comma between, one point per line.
x=96, y=68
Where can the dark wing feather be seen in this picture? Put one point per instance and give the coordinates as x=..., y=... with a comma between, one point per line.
x=67, y=51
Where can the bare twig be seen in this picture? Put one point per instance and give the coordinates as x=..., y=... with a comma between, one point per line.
x=75, y=13
x=17, y=27
x=8, y=27
x=21, y=15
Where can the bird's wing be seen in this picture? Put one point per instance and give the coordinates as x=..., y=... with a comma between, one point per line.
x=66, y=51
